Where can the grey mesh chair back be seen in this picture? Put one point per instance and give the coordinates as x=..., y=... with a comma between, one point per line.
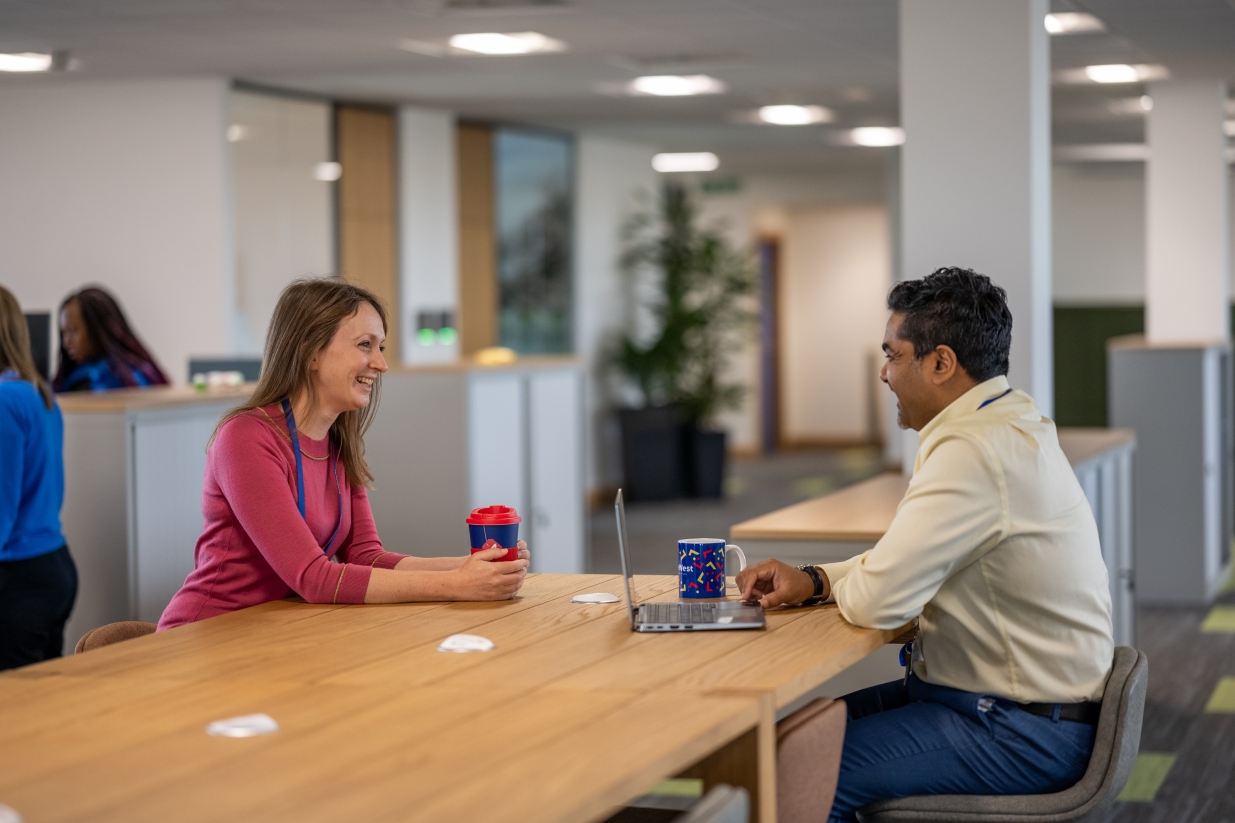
x=723, y=804
x=1115, y=747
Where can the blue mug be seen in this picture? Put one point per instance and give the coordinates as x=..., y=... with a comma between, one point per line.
x=701, y=567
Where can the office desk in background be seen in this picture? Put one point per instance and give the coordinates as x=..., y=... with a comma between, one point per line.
x=446, y=439
x=134, y=460
x=569, y=717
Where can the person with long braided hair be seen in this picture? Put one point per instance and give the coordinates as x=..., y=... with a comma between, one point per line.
x=98, y=350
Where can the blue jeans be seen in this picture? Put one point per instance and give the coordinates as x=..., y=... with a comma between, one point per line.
x=920, y=738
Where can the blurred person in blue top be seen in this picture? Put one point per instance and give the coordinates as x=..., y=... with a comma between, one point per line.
x=38, y=580
x=98, y=350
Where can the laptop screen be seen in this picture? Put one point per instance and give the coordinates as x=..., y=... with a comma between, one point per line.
x=628, y=574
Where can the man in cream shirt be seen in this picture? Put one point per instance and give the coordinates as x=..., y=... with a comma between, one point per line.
x=993, y=549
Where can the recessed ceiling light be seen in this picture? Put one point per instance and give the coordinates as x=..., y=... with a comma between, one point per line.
x=1229, y=128
x=327, y=172
x=519, y=42
x=1112, y=73
x=685, y=161
x=676, y=85
x=786, y=115
x=26, y=61
x=237, y=132
x=877, y=136
x=1073, y=23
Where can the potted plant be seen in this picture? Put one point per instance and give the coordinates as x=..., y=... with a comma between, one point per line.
x=696, y=285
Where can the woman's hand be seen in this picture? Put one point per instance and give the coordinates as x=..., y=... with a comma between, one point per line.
x=484, y=577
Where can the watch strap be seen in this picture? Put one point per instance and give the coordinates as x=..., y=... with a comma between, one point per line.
x=816, y=578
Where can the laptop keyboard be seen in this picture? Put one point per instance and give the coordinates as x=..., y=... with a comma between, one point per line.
x=678, y=613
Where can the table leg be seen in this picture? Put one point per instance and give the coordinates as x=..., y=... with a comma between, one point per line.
x=749, y=761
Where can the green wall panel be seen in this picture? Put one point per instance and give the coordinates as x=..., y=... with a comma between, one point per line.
x=1081, y=333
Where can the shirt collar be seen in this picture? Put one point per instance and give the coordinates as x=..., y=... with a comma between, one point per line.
x=967, y=403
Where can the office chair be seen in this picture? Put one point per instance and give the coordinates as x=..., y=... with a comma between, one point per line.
x=113, y=633
x=1114, y=751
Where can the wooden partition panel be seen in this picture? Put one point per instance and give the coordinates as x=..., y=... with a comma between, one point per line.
x=368, y=216
x=477, y=245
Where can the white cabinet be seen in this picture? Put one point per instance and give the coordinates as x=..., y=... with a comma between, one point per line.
x=134, y=464
x=497, y=447
x=447, y=440
x=555, y=441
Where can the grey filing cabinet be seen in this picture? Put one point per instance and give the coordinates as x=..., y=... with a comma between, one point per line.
x=1178, y=400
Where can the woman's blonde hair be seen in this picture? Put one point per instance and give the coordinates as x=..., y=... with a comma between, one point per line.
x=305, y=320
x=15, y=345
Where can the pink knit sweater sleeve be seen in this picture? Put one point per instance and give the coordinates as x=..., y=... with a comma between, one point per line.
x=363, y=547
x=252, y=468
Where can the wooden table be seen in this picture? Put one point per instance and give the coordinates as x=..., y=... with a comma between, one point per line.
x=568, y=718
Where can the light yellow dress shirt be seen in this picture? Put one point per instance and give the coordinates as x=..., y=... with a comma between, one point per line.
x=994, y=549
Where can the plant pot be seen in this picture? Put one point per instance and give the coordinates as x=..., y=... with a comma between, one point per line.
x=652, y=451
x=706, y=462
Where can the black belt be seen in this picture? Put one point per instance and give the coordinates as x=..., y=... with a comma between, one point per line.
x=1076, y=712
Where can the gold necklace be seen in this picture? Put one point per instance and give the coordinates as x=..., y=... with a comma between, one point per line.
x=288, y=437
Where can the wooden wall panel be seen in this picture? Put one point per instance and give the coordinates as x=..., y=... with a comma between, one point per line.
x=368, y=213
x=477, y=244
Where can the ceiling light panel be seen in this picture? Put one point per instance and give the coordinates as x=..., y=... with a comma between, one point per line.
x=877, y=136
x=786, y=115
x=1113, y=73
x=26, y=61
x=675, y=85
x=1073, y=23
x=685, y=161
x=494, y=43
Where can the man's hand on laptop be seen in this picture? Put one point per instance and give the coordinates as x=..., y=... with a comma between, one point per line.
x=772, y=583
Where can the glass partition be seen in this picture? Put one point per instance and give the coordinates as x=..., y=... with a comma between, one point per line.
x=534, y=195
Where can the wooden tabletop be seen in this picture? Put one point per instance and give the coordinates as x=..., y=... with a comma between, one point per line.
x=1082, y=445
x=567, y=718
x=863, y=512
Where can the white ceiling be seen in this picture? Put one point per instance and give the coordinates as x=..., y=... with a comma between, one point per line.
x=838, y=53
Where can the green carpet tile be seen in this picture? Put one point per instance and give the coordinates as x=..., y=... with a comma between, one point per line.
x=1220, y=620
x=1222, y=701
x=1147, y=777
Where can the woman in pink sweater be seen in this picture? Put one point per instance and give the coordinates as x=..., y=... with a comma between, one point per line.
x=285, y=501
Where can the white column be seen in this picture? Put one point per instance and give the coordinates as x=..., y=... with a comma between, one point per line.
x=428, y=227
x=975, y=106
x=1186, y=221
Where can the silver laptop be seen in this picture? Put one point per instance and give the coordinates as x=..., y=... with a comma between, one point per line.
x=708, y=615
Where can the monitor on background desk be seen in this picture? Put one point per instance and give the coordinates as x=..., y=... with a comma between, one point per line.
x=39, y=324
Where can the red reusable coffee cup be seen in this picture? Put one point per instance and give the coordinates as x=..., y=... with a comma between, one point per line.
x=495, y=526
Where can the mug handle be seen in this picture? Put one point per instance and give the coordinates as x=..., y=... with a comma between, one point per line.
x=729, y=547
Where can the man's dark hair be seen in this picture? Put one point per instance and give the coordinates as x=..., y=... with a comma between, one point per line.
x=961, y=309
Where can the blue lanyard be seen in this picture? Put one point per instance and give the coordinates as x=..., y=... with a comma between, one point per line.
x=291, y=428
x=980, y=408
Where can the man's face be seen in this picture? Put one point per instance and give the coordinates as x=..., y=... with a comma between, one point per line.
x=905, y=376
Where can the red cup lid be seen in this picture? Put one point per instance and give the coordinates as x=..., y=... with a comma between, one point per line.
x=494, y=516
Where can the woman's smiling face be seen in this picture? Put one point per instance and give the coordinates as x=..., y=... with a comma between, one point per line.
x=344, y=371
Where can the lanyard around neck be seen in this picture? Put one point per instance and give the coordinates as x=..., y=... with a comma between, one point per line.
x=291, y=429
x=980, y=408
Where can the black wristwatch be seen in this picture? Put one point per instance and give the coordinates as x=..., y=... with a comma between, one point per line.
x=817, y=579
